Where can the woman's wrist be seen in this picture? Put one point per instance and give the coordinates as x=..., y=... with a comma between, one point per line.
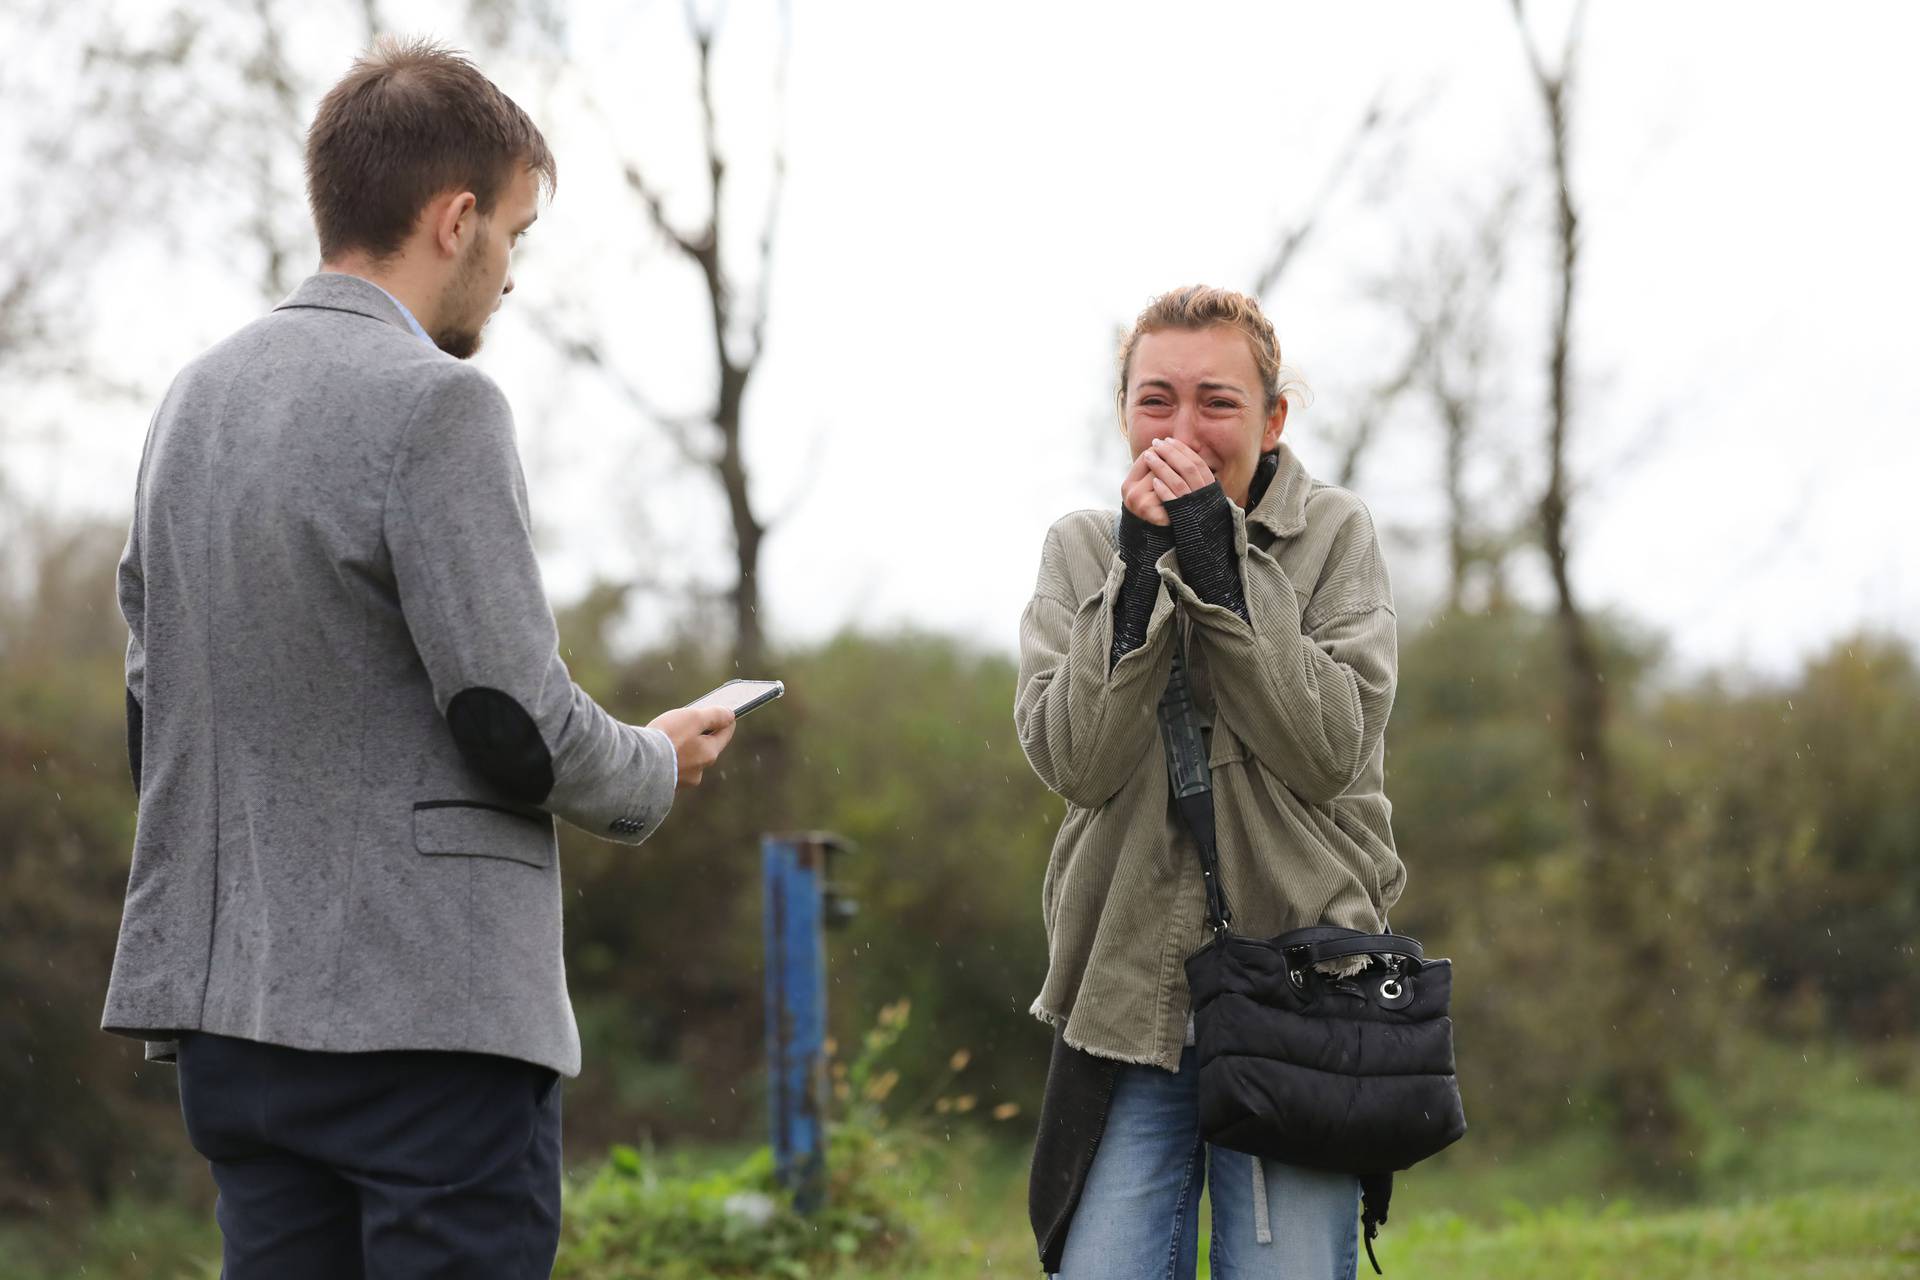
x=1142, y=543
x=1141, y=546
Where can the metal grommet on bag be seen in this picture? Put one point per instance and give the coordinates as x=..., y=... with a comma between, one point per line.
x=1395, y=991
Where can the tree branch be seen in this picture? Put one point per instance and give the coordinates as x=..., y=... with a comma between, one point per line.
x=656, y=210
x=1292, y=240
x=678, y=428
x=1380, y=399
x=757, y=336
x=812, y=464
x=707, y=252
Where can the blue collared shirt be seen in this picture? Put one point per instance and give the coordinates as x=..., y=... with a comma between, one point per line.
x=411, y=322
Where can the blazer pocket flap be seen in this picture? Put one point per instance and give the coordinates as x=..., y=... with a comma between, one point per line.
x=468, y=828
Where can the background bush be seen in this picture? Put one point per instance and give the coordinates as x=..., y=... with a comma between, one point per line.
x=1774, y=823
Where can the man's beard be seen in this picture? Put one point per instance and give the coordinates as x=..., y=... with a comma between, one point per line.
x=458, y=343
x=458, y=336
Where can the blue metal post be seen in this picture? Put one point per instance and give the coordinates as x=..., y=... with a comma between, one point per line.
x=796, y=999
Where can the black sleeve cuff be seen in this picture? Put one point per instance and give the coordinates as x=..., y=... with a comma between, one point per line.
x=1141, y=546
x=1203, y=536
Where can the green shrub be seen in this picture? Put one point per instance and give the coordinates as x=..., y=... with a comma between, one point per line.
x=633, y=1219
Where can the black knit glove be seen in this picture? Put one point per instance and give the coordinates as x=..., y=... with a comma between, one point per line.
x=1141, y=546
x=1203, y=535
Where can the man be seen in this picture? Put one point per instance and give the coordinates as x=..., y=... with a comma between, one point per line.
x=349, y=724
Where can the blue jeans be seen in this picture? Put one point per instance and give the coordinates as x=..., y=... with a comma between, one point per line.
x=1139, y=1214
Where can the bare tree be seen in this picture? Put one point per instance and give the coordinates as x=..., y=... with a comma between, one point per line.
x=1448, y=291
x=712, y=438
x=246, y=136
x=1356, y=432
x=51, y=232
x=736, y=357
x=1587, y=703
x=146, y=107
x=1634, y=1072
x=1290, y=242
x=1359, y=428
x=281, y=133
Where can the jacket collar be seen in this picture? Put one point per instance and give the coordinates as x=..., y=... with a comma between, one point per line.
x=335, y=291
x=1282, y=507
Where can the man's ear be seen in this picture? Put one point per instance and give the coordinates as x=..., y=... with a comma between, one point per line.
x=455, y=221
x=1276, y=423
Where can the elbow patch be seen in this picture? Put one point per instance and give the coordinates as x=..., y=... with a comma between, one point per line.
x=500, y=742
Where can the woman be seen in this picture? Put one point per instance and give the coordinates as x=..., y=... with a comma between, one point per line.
x=1273, y=586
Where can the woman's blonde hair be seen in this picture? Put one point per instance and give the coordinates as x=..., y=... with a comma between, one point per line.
x=1195, y=307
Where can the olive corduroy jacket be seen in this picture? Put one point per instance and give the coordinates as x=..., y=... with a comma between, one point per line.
x=1295, y=697
x=1298, y=698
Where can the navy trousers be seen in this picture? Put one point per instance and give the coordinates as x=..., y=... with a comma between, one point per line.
x=387, y=1166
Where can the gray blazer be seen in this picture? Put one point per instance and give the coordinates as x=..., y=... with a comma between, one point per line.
x=348, y=718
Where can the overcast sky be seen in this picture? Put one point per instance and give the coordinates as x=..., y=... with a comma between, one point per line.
x=979, y=195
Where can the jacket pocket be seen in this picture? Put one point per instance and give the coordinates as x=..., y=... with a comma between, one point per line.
x=472, y=828
x=1223, y=745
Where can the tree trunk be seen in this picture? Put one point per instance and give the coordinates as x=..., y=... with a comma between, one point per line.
x=749, y=638
x=1586, y=691
x=1635, y=1076
x=1459, y=542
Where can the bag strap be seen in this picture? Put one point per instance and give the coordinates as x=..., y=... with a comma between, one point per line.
x=1365, y=944
x=1376, y=1193
x=1191, y=780
x=1310, y=934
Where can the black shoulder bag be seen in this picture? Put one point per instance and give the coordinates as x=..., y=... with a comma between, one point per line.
x=1350, y=1074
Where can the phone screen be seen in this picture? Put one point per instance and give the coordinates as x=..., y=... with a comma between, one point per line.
x=741, y=696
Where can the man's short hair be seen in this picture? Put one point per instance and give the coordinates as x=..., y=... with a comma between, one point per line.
x=412, y=120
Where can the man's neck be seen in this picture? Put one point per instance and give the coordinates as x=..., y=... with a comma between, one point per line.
x=405, y=286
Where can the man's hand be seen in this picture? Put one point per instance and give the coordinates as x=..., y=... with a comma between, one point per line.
x=699, y=735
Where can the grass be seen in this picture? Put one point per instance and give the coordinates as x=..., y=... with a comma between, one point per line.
x=1862, y=1232
x=1815, y=1235
x=1806, y=1171
x=132, y=1240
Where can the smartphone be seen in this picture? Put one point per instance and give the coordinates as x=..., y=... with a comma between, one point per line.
x=741, y=696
